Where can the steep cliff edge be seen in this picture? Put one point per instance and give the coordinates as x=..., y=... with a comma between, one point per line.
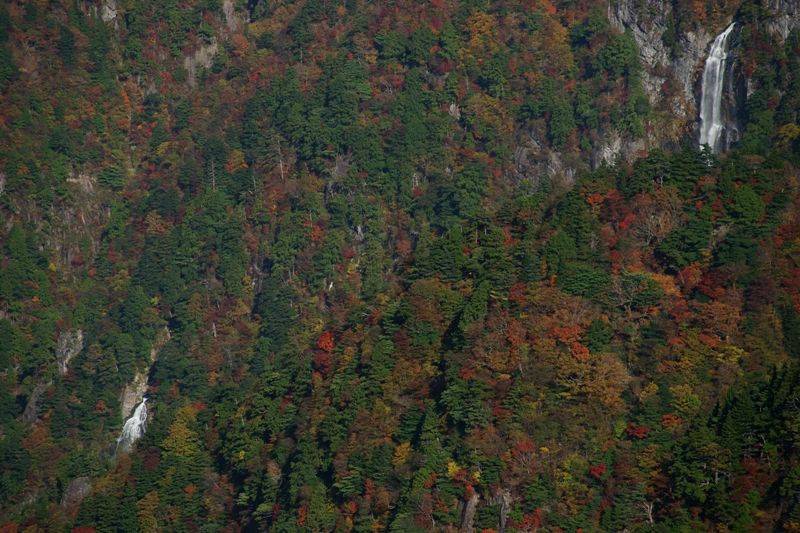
x=786, y=17
x=673, y=55
x=648, y=24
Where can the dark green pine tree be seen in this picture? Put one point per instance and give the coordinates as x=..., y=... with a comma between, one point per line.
x=424, y=266
x=125, y=351
x=737, y=433
x=448, y=255
x=626, y=509
x=273, y=304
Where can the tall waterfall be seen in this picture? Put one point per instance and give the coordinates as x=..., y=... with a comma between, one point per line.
x=134, y=428
x=711, y=121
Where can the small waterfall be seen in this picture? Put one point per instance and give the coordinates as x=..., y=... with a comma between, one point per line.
x=711, y=120
x=134, y=428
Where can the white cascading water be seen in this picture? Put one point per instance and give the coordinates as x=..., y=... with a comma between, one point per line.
x=134, y=428
x=711, y=126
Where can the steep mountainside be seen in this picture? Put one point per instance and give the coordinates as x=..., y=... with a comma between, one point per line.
x=399, y=265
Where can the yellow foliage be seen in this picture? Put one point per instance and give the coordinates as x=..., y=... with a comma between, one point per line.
x=692, y=352
x=684, y=399
x=146, y=507
x=402, y=454
x=729, y=354
x=667, y=284
x=452, y=469
x=600, y=379
x=163, y=148
x=649, y=390
x=195, y=308
x=487, y=115
x=155, y=225
x=119, y=280
x=482, y=29
x=788, y=133
x=236, y=159
x=182, y=441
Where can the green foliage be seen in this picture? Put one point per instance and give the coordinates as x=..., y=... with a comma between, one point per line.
x=619, y=57
x=358, y=288
x=747, y=206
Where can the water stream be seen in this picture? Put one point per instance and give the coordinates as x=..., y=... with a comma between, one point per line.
x=711, y=120
x=134, y=428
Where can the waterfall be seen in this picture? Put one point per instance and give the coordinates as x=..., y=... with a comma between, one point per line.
x=134, y=428
x=711, y=121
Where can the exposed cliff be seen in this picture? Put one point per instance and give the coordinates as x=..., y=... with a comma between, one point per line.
x=648, y=22
x=673, y=56
x=786, y=16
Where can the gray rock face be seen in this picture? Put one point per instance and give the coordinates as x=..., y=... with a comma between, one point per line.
x=76, y=492
x=613, y=146
x=109, y=10
x=784, y=7
x=31, y=412
x=132, y=394
x=468, y=517
x=204, y=55
x=69, y=345
x=230, y=15
x=787, y=17
x=692, y=49
x=648, y=32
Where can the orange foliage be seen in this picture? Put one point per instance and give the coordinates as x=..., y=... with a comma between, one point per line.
x=719, y=318
x=12, y=527
x=670, y=421
x=580, y=351
x=517, y=292
x=637, y=431
x=595, y=199
x=326, y=342
x=598, y=470
x=566, y=335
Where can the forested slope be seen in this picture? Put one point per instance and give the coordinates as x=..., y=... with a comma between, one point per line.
x=394, y=266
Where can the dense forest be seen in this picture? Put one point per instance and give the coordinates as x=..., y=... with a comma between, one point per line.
x=395, y=266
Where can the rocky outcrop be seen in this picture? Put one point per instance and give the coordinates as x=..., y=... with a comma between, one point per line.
x=69, y=345
x=648, y=33
x=108, y=11
x=468, y=517
x=76, y=492
x=132, y=394
x=231, y=20
x=647, y=23
x=786, y=17
x=504, y=500
x=692, y=50
x=613, y=146
x=31, y=412
x=83, y=180
x=204, y=55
